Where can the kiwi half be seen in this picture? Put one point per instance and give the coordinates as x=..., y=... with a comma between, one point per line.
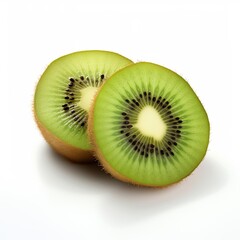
x=64, y=95
x=147, y=126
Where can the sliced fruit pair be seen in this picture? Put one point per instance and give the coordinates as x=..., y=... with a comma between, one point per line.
x=146, y=124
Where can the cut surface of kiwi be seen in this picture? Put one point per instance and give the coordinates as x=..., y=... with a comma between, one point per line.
x=64, y=95
x=148, y=127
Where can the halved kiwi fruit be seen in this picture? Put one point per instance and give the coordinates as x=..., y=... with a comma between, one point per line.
x=148, y=127
x=63, y=97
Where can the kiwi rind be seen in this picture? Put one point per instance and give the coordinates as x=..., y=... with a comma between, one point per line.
x=66, y=150
x=60, y=144
x=106, y=164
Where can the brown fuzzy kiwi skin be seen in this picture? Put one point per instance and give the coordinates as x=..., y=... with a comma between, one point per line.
x=72, y=153
x=99, y=156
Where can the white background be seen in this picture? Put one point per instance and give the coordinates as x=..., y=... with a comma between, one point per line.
x=42, y=196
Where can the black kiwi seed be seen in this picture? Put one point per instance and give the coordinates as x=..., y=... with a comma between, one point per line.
x=135, y=102
x=168, y=113
x=165, y=104
x=102, y=76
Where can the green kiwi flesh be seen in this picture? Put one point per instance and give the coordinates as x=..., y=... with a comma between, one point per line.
x=148, y=126
x=64, y=95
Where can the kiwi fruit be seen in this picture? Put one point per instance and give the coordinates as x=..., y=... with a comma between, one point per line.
x=64, y=95
x=147, y=126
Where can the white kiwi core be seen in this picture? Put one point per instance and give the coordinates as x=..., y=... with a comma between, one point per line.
x=87, y=95
x=151, y=124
